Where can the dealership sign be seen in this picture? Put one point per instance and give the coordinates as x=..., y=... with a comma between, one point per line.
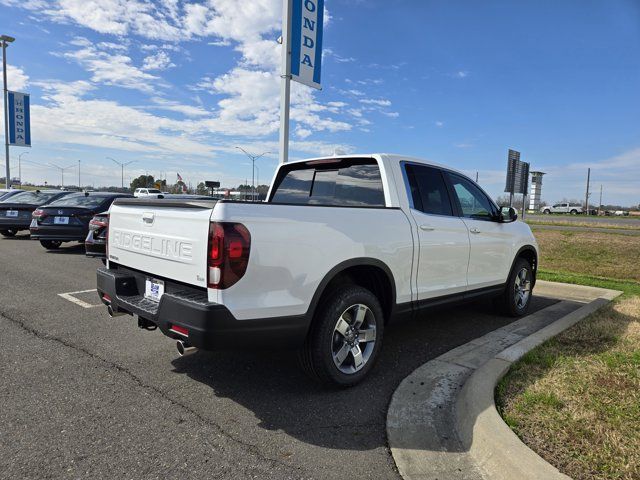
x=19, y=119
x=306, y=41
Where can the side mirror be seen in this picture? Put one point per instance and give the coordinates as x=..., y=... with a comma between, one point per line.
x=508, y=214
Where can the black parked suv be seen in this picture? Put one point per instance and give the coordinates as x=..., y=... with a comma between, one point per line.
x=67, y=219
x=15, y=211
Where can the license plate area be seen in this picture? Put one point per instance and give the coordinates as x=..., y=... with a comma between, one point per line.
x=153, y=289
x=61, y=220
x=12, y=213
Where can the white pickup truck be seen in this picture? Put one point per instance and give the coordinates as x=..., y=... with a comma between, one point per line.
x=572, y=208
x=342, y=246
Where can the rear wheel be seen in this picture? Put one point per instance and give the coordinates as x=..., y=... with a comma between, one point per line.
x=546, y=211
x=345, y=337
x=8, y=233
x=516, y=298
x=51, y=244
x=574, y=212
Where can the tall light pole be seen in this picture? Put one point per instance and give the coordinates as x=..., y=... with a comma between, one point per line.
x=6, y=40
x=79, y=186
x=20, y=166
x=253, y=159
x=122, y=165
x=62, y=169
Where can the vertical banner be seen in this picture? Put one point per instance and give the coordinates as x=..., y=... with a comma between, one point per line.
x=306, y=41
x=19, y=119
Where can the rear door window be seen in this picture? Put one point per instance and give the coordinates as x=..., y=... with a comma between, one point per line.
x=428, y=190
x=340, y=182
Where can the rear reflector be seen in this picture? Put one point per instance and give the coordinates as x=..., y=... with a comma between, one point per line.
x=106, y=298
x=178, y=329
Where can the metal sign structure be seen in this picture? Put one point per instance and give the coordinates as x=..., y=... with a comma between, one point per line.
x=517, y=178
x=19, y=119
x=302, y=27
x=517, y=174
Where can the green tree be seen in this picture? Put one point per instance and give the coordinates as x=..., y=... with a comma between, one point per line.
x=143, y=181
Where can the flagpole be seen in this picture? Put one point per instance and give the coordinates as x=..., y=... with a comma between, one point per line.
x=285, y=83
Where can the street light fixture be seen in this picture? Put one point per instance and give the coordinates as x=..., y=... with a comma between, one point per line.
x=122, y=165
x=62, y=169
x=6, y=40
x=253, y=159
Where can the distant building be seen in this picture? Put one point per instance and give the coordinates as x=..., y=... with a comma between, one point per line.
x=535, y=196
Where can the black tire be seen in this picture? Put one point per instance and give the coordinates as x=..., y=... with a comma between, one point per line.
x=511, y=302
x=546, y=212
x=51, y=244
x=573, y=212
x=8, y=233
x=324, y=343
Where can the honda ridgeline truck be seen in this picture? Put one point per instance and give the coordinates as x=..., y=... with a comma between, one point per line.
x=341, y=246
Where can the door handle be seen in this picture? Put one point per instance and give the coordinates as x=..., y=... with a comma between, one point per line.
x=474, y=230
x=426, y=228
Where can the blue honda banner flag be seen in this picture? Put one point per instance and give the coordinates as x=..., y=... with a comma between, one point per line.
x=19, y=119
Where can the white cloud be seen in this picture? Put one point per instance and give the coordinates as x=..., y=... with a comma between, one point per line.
x=187, y=110
x=158, y=61
x=439, y=124
x=16, y=78
x=110, y=68
x=380, y=102
x=461, y=74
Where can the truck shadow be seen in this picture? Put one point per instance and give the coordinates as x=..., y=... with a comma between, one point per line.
x=271, y=385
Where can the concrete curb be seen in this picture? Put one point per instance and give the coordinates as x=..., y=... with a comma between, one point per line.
x=442, y=422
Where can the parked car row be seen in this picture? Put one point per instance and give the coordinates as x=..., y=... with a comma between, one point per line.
x=54, y=217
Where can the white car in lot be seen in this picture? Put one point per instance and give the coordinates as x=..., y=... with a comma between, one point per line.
x=148, y=192
x=571, y=208
x=342, y=246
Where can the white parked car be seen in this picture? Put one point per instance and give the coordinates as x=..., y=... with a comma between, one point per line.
x=342, y=246
x=148, y=192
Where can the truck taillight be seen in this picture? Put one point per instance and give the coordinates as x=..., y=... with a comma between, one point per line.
x=229, y=246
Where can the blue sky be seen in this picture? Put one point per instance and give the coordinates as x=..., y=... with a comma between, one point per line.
x=176, y=85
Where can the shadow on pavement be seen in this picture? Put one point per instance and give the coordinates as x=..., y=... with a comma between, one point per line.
x=271, y=385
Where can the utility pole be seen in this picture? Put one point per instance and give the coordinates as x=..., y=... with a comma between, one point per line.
x=600, y=203
x=6, y=40
x=122, y=165
x=62, y=169
x=253, y=159
x=79, y=186
x=20, y=166
x=285, y=83
x=586, y=200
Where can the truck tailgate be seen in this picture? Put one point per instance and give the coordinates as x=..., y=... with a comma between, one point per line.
x=161, y=237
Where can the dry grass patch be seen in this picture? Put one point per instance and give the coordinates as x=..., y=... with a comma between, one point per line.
x=590, y=253
x=584, y=223
x=576, y=399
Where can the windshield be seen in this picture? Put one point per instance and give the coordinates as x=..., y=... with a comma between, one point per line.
x=80, y=200
x=31, y=198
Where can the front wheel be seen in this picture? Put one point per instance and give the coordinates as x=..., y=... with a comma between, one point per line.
x=516, y=298
x=345, y=338
x=8, y=233
x=51, y=244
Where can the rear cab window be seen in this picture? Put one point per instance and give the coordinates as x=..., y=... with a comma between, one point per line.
x=346, y=182
x=81, y=200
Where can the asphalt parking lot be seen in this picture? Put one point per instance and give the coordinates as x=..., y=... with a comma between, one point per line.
x=86, y=396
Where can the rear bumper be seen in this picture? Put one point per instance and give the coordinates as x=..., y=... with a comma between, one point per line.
x=65, y=234
x=210, y=325
x=15, y=223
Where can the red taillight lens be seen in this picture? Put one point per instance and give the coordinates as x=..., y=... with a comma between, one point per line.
x=38, y=214
x=229, y=246
x=178, y=329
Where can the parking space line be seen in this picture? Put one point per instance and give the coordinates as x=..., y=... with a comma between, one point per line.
x=70, y=296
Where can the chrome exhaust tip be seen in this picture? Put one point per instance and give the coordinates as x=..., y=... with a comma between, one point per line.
x=184, y=348
x=113, y=314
